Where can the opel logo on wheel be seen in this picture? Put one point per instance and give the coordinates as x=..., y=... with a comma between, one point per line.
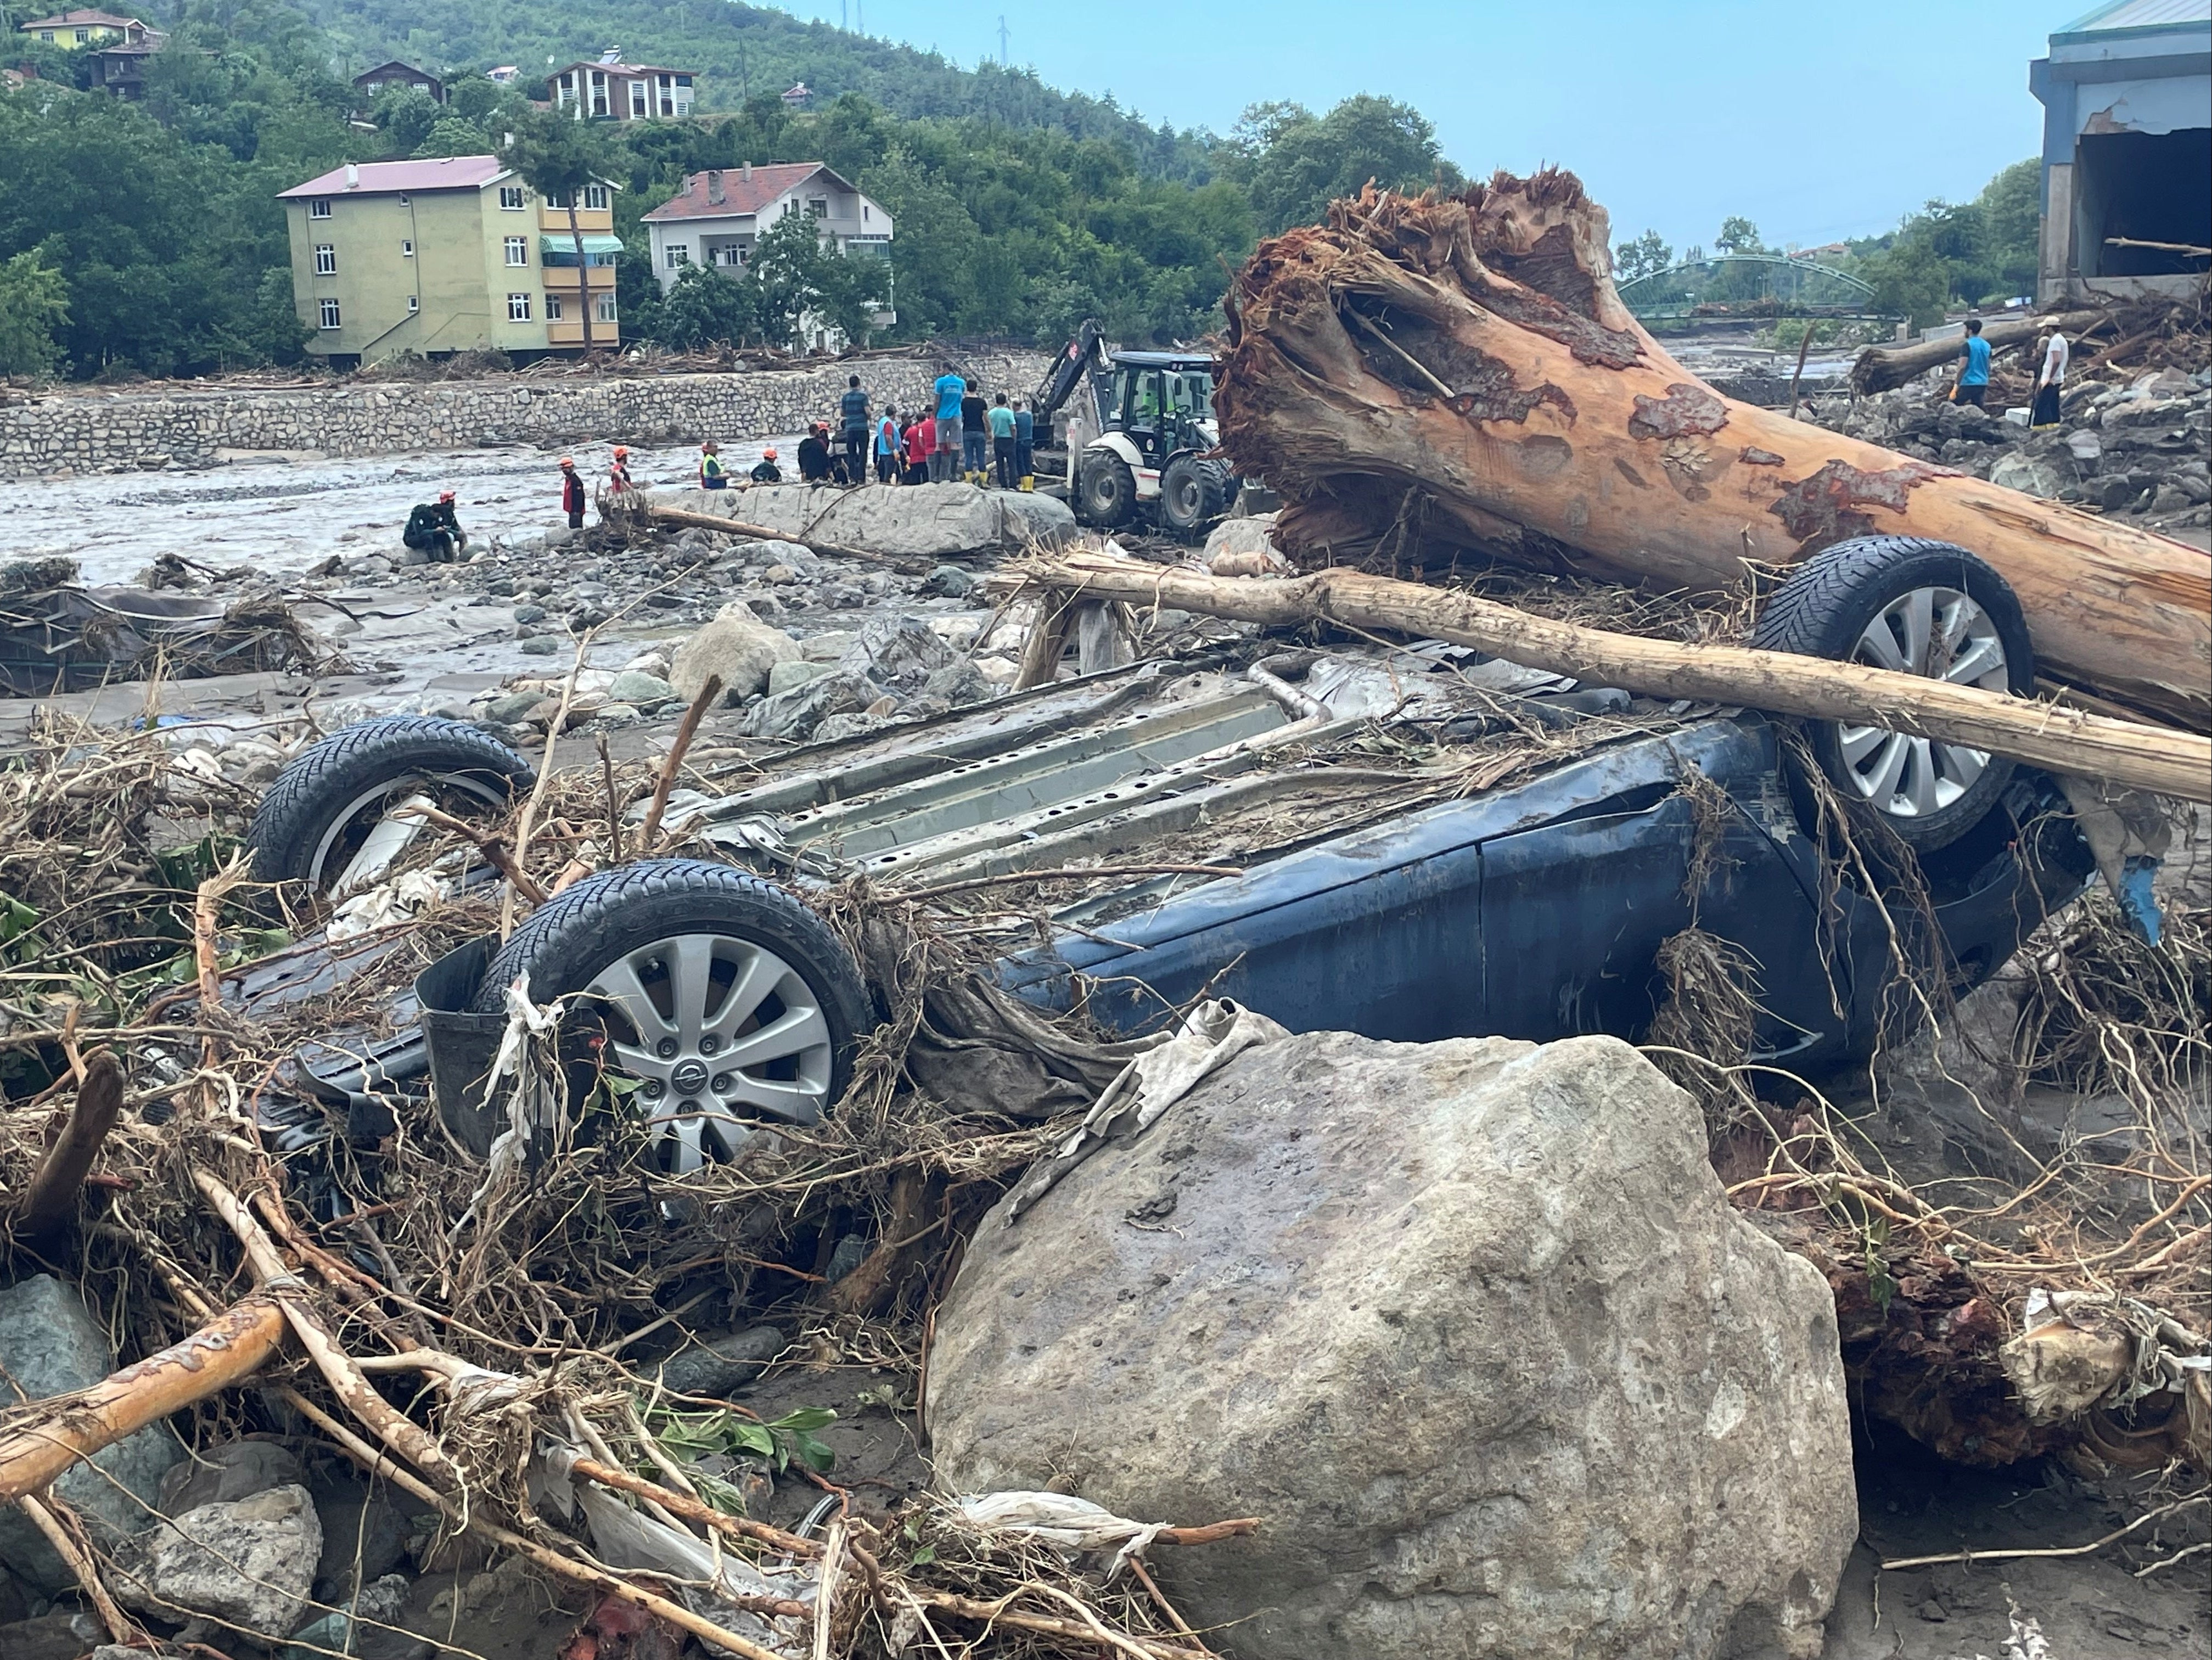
x=688, y=1078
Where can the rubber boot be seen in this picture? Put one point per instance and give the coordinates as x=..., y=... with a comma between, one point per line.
x=1029, y=481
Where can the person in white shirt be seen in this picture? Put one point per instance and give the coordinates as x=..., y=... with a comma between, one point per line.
x=2049, y=379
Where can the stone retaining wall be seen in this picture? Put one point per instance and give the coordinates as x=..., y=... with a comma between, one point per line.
x=122, y=432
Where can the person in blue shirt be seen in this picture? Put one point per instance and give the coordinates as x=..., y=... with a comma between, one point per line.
x=1024, y=444
x=1973, y=367
x=945, y=460
x=999, y=421
x=853, y=415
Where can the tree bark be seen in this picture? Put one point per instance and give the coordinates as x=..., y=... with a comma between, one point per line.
x=229, y=1349
x=2155, y=758
x=1420, y=378
x=1878, y=368
x=50, y=1199
x=583, y=274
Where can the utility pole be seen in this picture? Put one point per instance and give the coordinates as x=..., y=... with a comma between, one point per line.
x=844, y=15
x=744, y=78
x=1002, y=39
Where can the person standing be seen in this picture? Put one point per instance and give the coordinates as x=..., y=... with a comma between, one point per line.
x=944, y=454
x=572, y=493
x=974, y=435
x=887, y=447
x=2050, y=380
x=814, y=456
x=853, y=412
x=618, y=479
x=711, y=476
x=921, y=448
x=1001, y=421
x=1973, y=385
x=1025, y=445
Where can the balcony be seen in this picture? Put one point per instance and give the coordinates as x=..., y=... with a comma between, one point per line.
x=554, y=221
x=570, y=331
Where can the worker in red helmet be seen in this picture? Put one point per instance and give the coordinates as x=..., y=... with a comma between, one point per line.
x=572, y=492
x=435, y=532
x=618, y=479
x=767, y=472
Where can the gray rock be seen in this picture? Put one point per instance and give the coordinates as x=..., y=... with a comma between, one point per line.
x=49, y=1637
x=714, y=1365
x=736, y=647
x=898, y=653
x=50, y=1344
x=2170, y=498
x=250, y=1564
x=1472, y=1325
x=636, y=686
x=531, y=613
x=538, y=645
x=959, y=683
x=2025, y=472
x=795, y=714
x=224, y=1475
x=857, y=723
x=379, y=1606
x=355, y=1522
x=511, y=707
x=2085, y=446
x=928, y=521
x=797, y=672
x=949, y=581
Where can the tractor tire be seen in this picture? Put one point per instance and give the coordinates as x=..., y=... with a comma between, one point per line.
x=1194, y=493
x=334, y=792
x=1106, y=493
x=1922, y=607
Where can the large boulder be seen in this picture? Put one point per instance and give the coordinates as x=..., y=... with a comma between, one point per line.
x=917, y=521
x=1471, y=1327
x=736, y=647
x=50, y=1345
x=250, y=1563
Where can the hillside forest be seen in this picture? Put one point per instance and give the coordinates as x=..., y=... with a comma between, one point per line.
x=1020, y=210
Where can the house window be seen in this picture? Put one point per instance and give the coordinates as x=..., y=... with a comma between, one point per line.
x=683, y=81
x=510, y=197
x=604, y=309
x=46, y=35
x=552, y=307
x=864, y=213
x=83, y=36
x=678, y=257
x=818, y=206
x=329, y=313
x=319, y=208
x=406, y=249
x=595, y=197
x=518, y=250
x=414, y=303
x=517, y=308
x=637, y=102
x=326, y=260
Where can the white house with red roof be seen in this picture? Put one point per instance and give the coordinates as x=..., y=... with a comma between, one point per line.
x=718, y=216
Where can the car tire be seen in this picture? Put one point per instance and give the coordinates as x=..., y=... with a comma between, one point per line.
x=657, y=929
x=327, y=793
x=1194, y=493
x=1927, y=608
x=1106, y=491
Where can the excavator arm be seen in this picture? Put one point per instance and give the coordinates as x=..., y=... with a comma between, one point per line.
x=1083, y=358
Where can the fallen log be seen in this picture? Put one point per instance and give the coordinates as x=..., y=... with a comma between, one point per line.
x=715, y=521
x=230, y=1348
x=1879, y=368
x=1421, y=377
x=50, y=1199
x=2155, y=758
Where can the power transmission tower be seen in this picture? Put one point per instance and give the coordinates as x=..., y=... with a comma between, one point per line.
x=844, y=14
x=1002, y=39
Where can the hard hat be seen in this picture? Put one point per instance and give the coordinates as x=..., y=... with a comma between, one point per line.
x=620, y=450
x=768, y=455
x=444, y=495
x=568, y=461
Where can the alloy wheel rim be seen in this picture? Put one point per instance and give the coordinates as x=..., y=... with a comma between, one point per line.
x=1939, y=634
x=722, y=1032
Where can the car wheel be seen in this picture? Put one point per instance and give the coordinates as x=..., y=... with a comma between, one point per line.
x=1916, y=607
x=1192, y=493
x=1107, y=492
x=730, y=1001
x=327, y=819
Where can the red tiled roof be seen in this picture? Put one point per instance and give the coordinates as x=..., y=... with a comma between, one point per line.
x=740, y=194
x=88, y=19
x=386, y=178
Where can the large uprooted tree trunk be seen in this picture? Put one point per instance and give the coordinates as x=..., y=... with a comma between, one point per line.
x=1421, y=377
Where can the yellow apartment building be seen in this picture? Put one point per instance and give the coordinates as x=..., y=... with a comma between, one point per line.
x=450, y=254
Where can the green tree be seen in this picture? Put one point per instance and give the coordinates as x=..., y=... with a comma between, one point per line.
x=1739, y=235
x=406, y=115
x=1295, y=164
x=706, y=308
x=1642, y=256
x=452, y=136
x=558, y=156
x=34, y=304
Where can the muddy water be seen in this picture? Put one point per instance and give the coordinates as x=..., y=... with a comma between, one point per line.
x=282, y=518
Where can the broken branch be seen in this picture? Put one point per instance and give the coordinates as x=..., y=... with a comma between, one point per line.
x=51, y=1199
x=673, y=763
x=2161, y=759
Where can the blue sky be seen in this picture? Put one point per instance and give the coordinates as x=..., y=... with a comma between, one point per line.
x=1816, y=121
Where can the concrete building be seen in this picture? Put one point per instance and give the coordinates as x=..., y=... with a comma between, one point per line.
x=2127, y=150
x=454, y=254
x=397, y=74
x=71, y=29
x=719, y=214
x=612, y=90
